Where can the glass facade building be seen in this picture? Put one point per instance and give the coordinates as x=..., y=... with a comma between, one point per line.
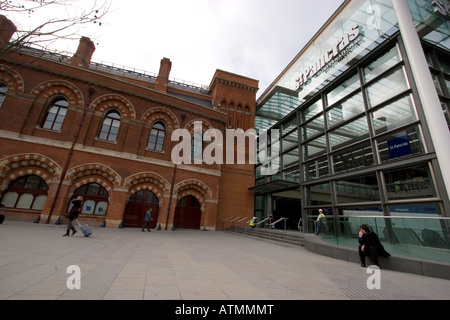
x=354, y=136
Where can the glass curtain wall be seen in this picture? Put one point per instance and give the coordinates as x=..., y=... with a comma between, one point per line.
x=354, y=123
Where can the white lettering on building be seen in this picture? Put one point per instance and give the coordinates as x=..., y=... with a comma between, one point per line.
x=329, y=56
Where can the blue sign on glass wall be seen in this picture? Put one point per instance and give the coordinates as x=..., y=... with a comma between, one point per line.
x=399, y=147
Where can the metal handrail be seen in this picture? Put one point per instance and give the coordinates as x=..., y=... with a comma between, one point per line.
x=281, y=219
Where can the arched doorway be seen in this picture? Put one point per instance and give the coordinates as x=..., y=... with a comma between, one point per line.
x=188, y=213
x=137, y=206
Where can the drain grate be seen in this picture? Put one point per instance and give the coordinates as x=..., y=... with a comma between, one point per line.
x=353, y=282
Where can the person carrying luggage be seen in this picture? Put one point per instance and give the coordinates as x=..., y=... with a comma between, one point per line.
x=73, y=214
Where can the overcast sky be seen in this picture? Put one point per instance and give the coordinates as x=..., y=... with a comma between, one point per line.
x=253, y=38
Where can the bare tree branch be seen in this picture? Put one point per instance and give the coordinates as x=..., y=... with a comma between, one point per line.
x=62, y=27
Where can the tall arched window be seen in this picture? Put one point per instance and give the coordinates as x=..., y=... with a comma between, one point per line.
x=3, y=90
x=29, y=192
x=56, y=114
x=95, y=199
x=156, y=141
x=110, y=127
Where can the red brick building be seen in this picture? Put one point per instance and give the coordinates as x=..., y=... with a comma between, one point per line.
x=71, y=127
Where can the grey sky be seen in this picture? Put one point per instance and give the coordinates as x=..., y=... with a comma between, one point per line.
x=253, y=38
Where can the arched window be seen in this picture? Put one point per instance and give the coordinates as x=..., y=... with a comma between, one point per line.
x=156, y=141
x=110, y=127
x=29, y=192
x=56, y=114
x=3, y=90
x=95, y=199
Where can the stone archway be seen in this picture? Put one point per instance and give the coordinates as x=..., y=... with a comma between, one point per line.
x=188, y=213
x=137, y=206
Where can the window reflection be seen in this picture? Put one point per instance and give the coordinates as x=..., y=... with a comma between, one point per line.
x=358, y=189
x=344, y=89
x=382, y=64
x=346, y=110
x=313, y=127
x=399, y=113
x=357, y=157
x=315, y=148
x=409, y=183
x=387, y=87
x=352, y=132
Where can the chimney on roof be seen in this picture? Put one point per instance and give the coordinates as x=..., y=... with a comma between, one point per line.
x=7, y=29
x=162, y=81
x=83, y=56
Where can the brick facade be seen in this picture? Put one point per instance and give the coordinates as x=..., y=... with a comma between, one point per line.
x=125, y=165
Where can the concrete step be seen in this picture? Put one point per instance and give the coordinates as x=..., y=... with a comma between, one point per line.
x=285, y=236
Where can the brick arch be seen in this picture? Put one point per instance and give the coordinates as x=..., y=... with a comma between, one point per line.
x=161, y=114
x=49, y=89
x=21, y=165
x=205, y=125
x=113, y=101
x=197, y=195
x=147, y=180
x=12, y=79
x=193, y=185
x=94, y=172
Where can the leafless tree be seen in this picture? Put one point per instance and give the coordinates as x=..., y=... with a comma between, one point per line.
x=69, y=19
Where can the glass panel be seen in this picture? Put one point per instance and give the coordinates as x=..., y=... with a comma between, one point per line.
x=346, y=110
x=290, y=158
x=352, y=132
x=399, y=113
x=314, y=148
x=290, y=141
x=290, y=125
x=358, y=189
x=3, y=90
x=316, y=169
x=436, y=84
x=9, y=199
x=313, y=127
x=352, y=220
x=401, y=144
x=93, y=189
x=25, y=201
x=409, y=183
x=312, y=110
x=88, y=207
x=344, y=89
x=32, y=182
x=387, y=87
x=381, y=64
x=318, y=194
x=353, y=158
x=39, y=202
x=444, y=63
x=101, y=208
x=292, y=174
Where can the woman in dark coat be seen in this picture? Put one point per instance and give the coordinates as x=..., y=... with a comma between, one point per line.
x=73, y=214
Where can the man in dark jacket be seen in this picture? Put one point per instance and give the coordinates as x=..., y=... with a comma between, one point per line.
x=370, y=245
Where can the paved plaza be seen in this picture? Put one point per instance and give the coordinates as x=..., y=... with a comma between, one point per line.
x=127, y=264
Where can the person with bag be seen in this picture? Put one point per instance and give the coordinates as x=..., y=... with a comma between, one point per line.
x=73, y=214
